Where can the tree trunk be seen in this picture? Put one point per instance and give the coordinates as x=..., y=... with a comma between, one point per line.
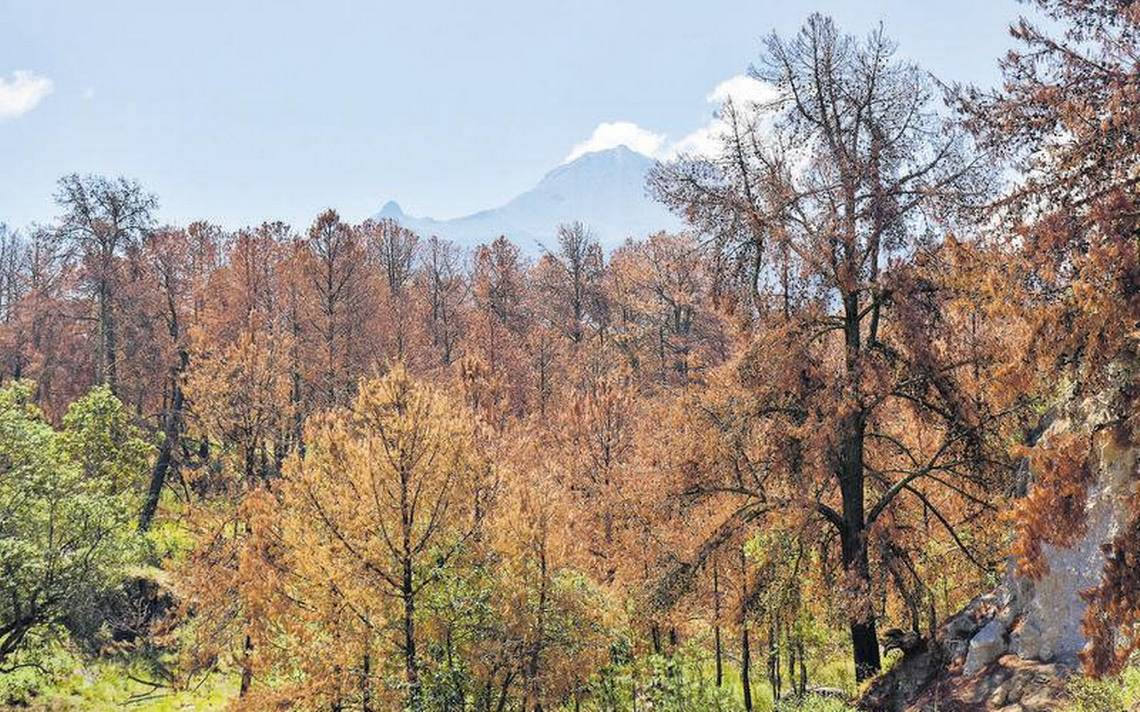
x=108, y=341
x=531, y=685
x=745, y=663
x=853, y=539
x=503, y=692
x=719, y=657
x=12, y=635
x=861, y=620
x=171, y=432
x=411, y=669
x=803, y=669
x=774, y=656
x=716, y=626
x=366, y=684
x=246, y=669
x=790, y=642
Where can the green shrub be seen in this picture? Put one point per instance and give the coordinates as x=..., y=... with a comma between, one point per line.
x=1111, y=694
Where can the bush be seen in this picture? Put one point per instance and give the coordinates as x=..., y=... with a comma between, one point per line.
x=68, y=501
x=1111, y=694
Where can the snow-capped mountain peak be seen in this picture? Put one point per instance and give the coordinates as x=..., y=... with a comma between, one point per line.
x=604, y=189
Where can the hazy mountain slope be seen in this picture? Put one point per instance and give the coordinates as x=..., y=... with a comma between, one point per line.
x=605, y=190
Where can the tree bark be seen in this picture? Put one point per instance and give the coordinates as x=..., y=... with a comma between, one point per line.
x=716, y=626
x=366, y=684
x=108, y=338
x=531, y=685
x=171, y=432
x=774, y=656
x=503, y=692
x=411, y=669
x=246, y=669
x=853, y=534
x=861, y=620
x=745, y=664
x=719, y=657
x=803, y=668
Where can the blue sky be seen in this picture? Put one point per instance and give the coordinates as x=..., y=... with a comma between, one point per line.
x=240, y=111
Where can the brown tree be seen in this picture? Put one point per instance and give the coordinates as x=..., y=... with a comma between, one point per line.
x=333, y=264
x=1068, y=116
x=178, y=264
x=102, y=218
x=393, y=491
x=569, y=282
x=828, y=196
x=393, y=251
x=447, y=290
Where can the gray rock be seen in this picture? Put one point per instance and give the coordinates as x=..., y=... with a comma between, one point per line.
x=987, y=646
x=1052, y=609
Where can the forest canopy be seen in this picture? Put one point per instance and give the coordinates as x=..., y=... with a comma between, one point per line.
x=348, y=466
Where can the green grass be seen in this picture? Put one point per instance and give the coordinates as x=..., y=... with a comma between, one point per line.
x=815, y=704
x=104, y=686
x=71, y=681
x=1112, y=694
x=838, y=673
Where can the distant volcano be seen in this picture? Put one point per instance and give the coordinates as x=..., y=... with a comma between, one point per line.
x=606, y=190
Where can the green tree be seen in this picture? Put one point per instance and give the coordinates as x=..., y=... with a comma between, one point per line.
x=67, y=503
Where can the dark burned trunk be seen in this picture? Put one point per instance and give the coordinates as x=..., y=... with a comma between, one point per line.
x=171, y=433
x=745, y=664
x=534, y=660
x=503, y=690
x=408, y=591
x=716, y=627
x=853, y=532
x=246, y=668
x=774, y=656
x=12, y=634
x=411, y=669
x=861, y=623
x=366, y=684
x=674, y=641
x=719, y=657
x=853, y=539
x=745, y=647
x=789, y=640
x=803, y=668
x=108, y=338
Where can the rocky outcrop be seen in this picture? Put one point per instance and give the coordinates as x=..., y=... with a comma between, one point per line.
x=1009, y=684
x=977, y=639
x=1012, y=648
x=989, y=644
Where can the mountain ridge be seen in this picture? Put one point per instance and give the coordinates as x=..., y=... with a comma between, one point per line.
x=605, y=190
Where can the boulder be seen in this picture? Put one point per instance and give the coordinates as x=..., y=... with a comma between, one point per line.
x=986, y=646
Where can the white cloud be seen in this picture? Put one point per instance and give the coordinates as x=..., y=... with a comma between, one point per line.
x=611, y=134
x=22, y=92
x=88, y=94
x=743, y=88
x=743, y=91
x=704, y=140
